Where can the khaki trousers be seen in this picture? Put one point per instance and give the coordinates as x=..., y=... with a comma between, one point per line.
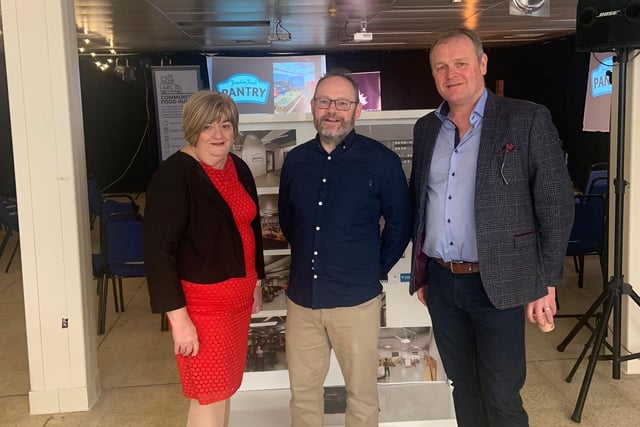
x=353, y=333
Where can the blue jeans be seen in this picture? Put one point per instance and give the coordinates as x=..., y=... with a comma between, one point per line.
x=482, y=349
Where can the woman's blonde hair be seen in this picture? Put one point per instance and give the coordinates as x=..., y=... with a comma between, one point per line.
x=204, y=107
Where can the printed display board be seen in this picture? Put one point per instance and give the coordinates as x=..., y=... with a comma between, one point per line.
x=172, y=86
x=406, y=352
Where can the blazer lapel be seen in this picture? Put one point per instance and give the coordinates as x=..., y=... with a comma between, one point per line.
x=490, y=140
x=430, y=132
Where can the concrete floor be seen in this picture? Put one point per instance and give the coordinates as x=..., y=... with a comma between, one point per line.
x=140, y=382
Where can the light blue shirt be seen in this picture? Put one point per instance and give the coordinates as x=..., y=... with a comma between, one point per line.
x=450, y=231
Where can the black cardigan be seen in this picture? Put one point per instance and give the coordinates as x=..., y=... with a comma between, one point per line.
x=190, y=233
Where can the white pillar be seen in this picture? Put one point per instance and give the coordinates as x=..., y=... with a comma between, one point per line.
x=51, y=183
x=631, y=225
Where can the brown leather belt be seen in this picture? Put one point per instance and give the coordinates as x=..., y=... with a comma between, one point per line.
x=459, y=267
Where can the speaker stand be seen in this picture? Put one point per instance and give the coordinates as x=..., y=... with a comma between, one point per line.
x=611, y=298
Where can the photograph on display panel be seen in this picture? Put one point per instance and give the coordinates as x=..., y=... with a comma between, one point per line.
x=272, y=236
x=406, y=355
x=265, y=350
x=264, y=152
x=275, y=283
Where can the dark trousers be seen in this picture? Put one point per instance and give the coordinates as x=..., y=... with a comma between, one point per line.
x=482, y=349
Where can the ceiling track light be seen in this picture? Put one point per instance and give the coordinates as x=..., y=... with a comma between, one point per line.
x=529, y=7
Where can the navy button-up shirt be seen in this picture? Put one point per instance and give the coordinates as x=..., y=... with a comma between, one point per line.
x=330, y=206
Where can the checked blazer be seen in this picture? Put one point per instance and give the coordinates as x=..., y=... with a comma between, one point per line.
x=523, y=201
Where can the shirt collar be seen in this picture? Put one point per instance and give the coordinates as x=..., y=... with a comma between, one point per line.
x=347, y=142
x=442, y=112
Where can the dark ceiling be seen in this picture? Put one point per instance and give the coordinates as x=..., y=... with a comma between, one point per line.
x=215, y=26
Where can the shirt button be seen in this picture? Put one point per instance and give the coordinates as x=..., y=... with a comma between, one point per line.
x=320, y=203
x=317, y=228
x=315, y=276
x=453, y=174
x=324, y=179
x=449, y=220
x=315, y=252
x=449, y=197
x=450, y=243
x=328, y=157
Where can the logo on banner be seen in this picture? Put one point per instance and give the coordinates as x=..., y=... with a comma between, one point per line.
x=245, y=88
x=601, y=78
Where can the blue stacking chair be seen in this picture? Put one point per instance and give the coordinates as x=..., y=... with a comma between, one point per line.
x=597, y=172
x=600, y=186
x=9, y=220
x=588, y=233
x=104, y=204
x=123, y=258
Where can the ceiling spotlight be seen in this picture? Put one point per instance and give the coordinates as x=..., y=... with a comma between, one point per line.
x=126, y=73
x=332, y=11
x=529, y=8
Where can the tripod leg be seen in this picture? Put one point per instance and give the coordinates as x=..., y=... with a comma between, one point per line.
x=580, y=358
x=581, y=271
x=583, y=321
x=616, y=335
x=599, y=337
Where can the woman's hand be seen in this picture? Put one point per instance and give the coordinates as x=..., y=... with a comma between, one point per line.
x=185, y=336
x=257, y=298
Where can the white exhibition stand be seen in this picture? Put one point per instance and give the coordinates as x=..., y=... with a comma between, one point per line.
x=264, y=395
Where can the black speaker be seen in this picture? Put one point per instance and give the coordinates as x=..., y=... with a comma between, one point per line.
x=603, y=25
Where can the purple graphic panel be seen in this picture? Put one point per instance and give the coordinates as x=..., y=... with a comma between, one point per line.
x=370, y=96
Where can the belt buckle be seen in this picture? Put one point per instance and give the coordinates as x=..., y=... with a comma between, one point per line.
x=451, y=263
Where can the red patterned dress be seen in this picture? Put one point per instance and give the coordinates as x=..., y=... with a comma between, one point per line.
x=221, y=312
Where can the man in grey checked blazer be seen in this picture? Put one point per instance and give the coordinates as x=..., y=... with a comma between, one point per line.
x=493, y=213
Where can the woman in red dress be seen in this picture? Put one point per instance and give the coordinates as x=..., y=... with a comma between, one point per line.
x=203, y=255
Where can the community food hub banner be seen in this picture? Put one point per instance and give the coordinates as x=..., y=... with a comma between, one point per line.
x=172, y=86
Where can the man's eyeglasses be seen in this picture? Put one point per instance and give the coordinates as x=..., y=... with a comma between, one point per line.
x=341, y=104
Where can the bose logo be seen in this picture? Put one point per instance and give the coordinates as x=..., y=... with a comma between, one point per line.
x=609, y=13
